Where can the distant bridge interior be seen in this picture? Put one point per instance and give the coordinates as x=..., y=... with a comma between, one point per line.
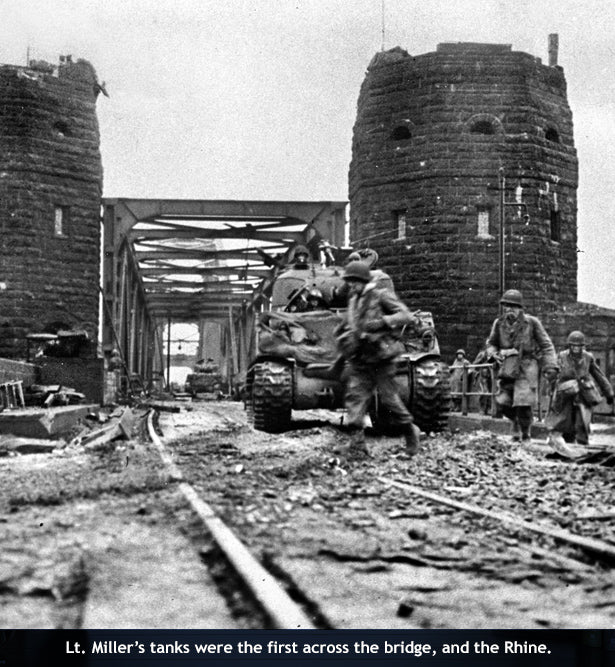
x=210, y=263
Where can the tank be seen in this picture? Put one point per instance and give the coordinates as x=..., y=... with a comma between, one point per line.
x=206, y=379
x=297, y=366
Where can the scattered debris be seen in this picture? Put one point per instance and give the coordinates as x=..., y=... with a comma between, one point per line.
x=52, y=395
x=119, y=425
x=11, y=444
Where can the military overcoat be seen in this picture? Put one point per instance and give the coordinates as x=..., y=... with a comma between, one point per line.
x=528, y=336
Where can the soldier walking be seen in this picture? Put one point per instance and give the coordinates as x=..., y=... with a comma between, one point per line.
x=580, y=387
x=369, y=344
x=520, y=344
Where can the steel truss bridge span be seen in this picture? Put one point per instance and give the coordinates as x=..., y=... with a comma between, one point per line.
x=206, y=262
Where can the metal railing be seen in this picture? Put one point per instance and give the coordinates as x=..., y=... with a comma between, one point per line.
x=11, y=395
x=465, y=394
x=542, y=399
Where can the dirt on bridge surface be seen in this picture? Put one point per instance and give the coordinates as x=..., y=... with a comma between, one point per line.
x=102, y=537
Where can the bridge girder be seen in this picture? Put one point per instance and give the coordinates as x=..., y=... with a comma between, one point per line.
x=156, y=250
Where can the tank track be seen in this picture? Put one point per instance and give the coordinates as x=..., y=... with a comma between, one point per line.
x=431, y=396
x=270, y=396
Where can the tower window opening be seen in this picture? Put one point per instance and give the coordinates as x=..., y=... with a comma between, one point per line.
x=555, y=226
x=551, y=134
x=61, y=128
x=400, y=221
x=484, y=223
x=401, y=133
x=60, y=220
x=482, y=127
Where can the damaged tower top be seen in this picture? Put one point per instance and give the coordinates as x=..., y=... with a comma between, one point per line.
x=50, y=194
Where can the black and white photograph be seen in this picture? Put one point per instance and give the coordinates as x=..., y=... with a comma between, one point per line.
x=307, y=318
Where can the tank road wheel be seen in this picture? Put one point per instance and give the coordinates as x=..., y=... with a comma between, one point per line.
x=431, y=395
x=270, y=397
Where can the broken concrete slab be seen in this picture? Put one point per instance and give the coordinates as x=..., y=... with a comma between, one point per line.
x=43, y=422
x=101, y=436
x=121, y=424
x=17, y=445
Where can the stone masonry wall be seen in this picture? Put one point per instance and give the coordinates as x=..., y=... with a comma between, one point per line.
x=50, y=165
x=12, y=371
x=431, y=135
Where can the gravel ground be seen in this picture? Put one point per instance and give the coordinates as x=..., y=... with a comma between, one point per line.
x=102, y=538
x=366, y=555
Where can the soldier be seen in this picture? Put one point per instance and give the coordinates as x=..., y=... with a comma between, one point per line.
x=353, y=257
x=315, y=299
x=368, y=343
x=297, y=301
x=518, y=342
x=340, y=293
x=457, y=376
x=580, y=387
x=480, y=381
x=301, y=257
x=210, y=366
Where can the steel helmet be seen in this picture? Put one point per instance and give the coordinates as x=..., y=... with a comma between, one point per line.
x=357, y=271
x=576, y=338
x=512, y=297
x=460, y=351
x=300, y=250
x=314, y=293
x=353, y=257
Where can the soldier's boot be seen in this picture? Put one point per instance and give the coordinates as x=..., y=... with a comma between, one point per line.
x=516, y=430
x=358, y=447
x=563, y=448
x=524, y=418
x=412, y=438
x=581, y=437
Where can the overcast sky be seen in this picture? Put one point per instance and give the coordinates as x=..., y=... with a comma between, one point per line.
x=239, y=99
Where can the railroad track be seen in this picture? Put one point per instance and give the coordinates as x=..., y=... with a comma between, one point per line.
x=274, y=601
x=331, y=535
x=470, y=533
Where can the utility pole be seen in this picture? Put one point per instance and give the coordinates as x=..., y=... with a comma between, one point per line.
x=502, y=237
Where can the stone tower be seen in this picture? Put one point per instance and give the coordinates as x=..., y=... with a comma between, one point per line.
x=50, y=197
x=447, y=146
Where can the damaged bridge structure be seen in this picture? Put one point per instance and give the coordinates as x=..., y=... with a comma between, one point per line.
x=210, y=263
x=90, y=287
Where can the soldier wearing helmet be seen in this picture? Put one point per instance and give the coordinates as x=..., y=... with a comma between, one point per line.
x=353, y=257
x=301, y=257
x=457, y=376
x=519, y=343
x=315, y=299
x=368, y=342
x=580, y=386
